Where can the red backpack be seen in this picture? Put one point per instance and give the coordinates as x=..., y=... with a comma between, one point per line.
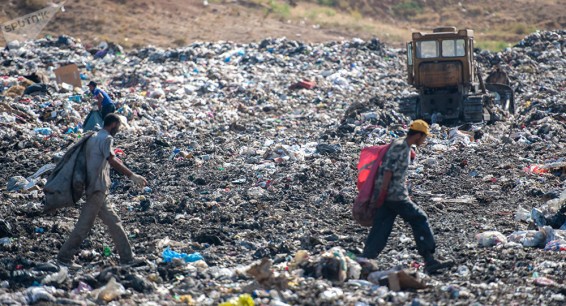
x=368, y=166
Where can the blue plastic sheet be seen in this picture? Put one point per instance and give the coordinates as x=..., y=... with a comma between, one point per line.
x=168, y=255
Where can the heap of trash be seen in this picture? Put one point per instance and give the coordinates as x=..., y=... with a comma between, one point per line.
x=250, y=154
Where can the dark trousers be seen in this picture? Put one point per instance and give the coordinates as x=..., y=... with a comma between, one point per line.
x=107, y=109
x=383, y=224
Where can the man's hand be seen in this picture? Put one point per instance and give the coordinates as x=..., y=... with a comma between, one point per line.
x=138, y=180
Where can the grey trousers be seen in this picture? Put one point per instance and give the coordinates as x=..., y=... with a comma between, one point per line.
x=96, y=205
x=383, y=224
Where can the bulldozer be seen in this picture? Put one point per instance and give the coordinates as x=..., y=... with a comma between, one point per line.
x=442, y=68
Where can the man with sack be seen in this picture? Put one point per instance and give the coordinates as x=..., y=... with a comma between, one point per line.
x=99, y=156
x=391, y=197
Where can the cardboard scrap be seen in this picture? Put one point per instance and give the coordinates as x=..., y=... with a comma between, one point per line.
x=68, y=74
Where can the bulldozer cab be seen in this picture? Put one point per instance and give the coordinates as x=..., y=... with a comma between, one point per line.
x=441, y=59
x=441, y=66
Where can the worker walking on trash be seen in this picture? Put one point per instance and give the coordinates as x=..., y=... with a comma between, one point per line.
x=391, y=195
x=104, y=103
x=99, y=158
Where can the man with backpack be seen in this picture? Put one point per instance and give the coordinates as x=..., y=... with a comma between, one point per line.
x=99, y=156
x=391, y=196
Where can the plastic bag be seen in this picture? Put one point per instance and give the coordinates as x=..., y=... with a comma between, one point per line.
x=490, y=238
x=556, y=245
x=111, y=291
x=522, y=215
x=528, y=239
x=57, y=277
x=168, y=255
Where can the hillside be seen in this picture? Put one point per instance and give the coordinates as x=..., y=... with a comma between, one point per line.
x=178, y=22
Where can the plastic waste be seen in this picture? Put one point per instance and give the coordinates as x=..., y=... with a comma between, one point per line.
x=111, y=291
x=300, y=257
x=82, y=287
x=107, y=251
x=186, y=299
x=354, y=269
x=544, y=281
x=522, y=215
x=229, y=57
x=75, y=98
x=535, y=169
x=538, y=217
x=331, y=295
x=556, y=245
x=490, y=238
x=58, y=277
x=380, y=277
x=43, y=131
x=360, y=283
x=43, y=293
x=17, y=183
x=528, y=238
x=242, y=300
x=220, y=273
x=7, y=118
x=6, y=242
x=463, y=271
x=460, y=137
x=169, y=255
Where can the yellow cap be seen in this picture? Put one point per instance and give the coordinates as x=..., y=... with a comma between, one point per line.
x=420, y=126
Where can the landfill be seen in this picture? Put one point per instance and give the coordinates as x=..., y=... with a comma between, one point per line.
x=250, y=151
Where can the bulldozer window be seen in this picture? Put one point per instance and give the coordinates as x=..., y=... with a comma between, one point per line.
x=453, y=48
x=427, y=49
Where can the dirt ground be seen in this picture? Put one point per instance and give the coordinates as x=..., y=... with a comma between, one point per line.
x=172, y=23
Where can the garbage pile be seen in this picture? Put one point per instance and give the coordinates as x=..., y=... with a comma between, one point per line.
x=250, y=153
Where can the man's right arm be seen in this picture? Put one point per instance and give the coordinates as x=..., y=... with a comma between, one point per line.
x=384, y=187
x=389, y=165
x=120, y=167
x=99, y=99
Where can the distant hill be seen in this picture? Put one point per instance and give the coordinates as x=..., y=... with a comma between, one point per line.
x=170, y=23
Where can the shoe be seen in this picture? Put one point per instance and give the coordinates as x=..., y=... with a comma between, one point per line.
x=538, y=217
x=69, y=265
x=433, y=266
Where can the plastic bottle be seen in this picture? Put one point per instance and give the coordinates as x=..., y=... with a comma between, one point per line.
x=107, y=251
